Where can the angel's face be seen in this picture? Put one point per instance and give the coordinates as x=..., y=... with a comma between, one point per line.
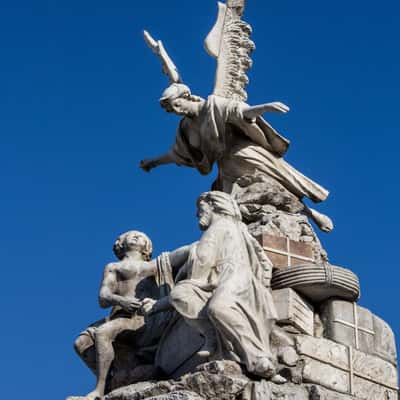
x=181, y=106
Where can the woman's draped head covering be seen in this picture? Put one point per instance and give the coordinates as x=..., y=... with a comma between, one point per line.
x=222, y=203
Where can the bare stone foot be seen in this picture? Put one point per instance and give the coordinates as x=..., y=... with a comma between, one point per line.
x=76, y=398
x=265, y=368
x=95, y=395
x=208, y=348
x=90, y=396
x=278, y=379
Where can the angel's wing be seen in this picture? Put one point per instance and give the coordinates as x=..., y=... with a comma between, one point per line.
x=229, y=42
x=168, y=66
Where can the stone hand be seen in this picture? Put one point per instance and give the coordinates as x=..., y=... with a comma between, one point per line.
x=252, y=112
x=148, y=305
x=148, y=164
x=130, y=304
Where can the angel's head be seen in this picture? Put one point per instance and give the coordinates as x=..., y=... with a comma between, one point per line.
x=178, y=99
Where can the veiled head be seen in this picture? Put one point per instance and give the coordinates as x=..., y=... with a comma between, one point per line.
x=219, y=203
x=133, y=240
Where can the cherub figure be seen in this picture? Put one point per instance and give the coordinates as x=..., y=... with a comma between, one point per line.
x=124, y=286
x=223, y=129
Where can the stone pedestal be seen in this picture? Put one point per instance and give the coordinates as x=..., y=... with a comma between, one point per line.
x=294, y=311
x=346, y=370
x=355, y=326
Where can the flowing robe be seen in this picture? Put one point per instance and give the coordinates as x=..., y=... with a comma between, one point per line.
x=227, y=283
x=240, y=147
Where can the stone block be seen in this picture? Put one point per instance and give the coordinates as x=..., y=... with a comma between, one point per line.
x=355, y=326
x=293, y=310
x=284, y=252
x=264, y=390
x=320, y=393
x=346, y=370
x=384, y=341
x=347, y=323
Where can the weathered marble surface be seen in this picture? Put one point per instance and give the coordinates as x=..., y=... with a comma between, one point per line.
x=384, y=341
x=178, y=395
x=226, y=295
x=346, y=370
x=269, y=208
x=294, y=311
x=318, y=282
x=320, y=393
x=220, y=380
x=223, y=129
x=224, y=381
x=215, y=302
x=125, y=283
x=347, y=323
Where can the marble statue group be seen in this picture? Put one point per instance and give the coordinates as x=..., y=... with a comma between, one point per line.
x=255, y=299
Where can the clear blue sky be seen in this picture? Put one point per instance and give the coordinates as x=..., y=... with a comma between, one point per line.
x=78, y=110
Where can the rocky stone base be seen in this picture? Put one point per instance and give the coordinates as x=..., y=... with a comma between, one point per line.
x=224, y=380
x=216, y=380
x=320, y=369
x=206, y=386
x=268, y=208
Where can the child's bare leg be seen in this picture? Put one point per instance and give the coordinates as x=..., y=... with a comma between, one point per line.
x=84, y=346
x=104, y=338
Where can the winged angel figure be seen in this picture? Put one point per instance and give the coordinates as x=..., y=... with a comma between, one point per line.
x=223, y=128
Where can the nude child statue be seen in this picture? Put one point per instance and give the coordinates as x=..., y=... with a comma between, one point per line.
x=124, y=287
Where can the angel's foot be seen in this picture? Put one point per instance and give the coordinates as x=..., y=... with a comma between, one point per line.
x=323, y=221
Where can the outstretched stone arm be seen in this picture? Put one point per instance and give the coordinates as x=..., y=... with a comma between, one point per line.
x=177, y=259
x=252, y=112
x=150, y=163
x=107, y=296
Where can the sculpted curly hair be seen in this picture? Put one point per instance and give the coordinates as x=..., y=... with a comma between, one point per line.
x=120, y=246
